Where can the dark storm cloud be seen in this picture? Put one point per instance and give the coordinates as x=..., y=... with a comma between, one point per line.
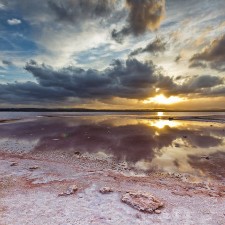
x=214, y=54
x=154, y=47
x=143, y=15
x=131, y=79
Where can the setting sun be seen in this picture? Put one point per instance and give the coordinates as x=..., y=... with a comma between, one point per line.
x=161, y=99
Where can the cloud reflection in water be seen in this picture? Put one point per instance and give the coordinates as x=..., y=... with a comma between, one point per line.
x=174, y=146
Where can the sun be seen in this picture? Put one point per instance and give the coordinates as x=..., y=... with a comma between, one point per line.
x=161, y=99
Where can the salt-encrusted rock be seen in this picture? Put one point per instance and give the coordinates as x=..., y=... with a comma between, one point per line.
x=70, y=191
x=14, y=164
x=105, y=190
x=77, y=153
x=33, y=168
x=157, y=211
x=205, y=157
x=144, y=202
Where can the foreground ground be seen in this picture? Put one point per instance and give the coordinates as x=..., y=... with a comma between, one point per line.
x=30, y=185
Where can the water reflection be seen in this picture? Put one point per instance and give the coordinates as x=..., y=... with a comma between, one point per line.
x=213, y=166
x=174, y=146
x=160, y=114
x=163, y=123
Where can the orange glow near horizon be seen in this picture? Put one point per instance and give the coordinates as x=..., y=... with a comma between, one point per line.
x=161, y=99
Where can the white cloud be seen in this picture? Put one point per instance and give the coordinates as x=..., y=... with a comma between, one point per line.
x=14, y=21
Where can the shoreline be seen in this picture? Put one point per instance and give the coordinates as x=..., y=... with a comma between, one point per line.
x=25, y=193
x=211, y=118
x=52, y=169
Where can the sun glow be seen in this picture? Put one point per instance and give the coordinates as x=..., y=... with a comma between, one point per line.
x=163, y=123
x=160, y=114
x=161, y=99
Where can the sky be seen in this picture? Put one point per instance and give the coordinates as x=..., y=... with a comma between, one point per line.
x=113, y=54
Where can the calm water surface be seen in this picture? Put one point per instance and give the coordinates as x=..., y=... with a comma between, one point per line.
x=144, y=142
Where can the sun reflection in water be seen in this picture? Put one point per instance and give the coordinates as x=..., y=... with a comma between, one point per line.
x=162, y=123
x=160, y=114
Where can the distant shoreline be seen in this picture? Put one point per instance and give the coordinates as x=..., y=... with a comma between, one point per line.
x=100, y=110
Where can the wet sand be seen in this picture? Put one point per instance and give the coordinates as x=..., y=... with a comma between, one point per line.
x=179, y=162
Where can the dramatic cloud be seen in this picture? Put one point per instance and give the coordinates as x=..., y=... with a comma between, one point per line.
x=59, y=31
x=204, y=81
x=14, y=21
x=131, y=79
x=72, y=11
x=214, y=54
x=143, y=15
x=154, y=47
x=199, y=85
x=74, y=40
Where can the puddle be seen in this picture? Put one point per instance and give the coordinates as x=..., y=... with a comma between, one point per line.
x=141, y=144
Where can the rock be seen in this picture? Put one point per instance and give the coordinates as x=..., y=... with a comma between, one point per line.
x=77, y=153
x=157, y=211
x=214, y=195
x=70, y=191
x=181, y=193
x=105, y=190
x=184, y=136
x=33, y=168
x=205, y=157
x=171, y=118
x=14, y=164
x=144, y=202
